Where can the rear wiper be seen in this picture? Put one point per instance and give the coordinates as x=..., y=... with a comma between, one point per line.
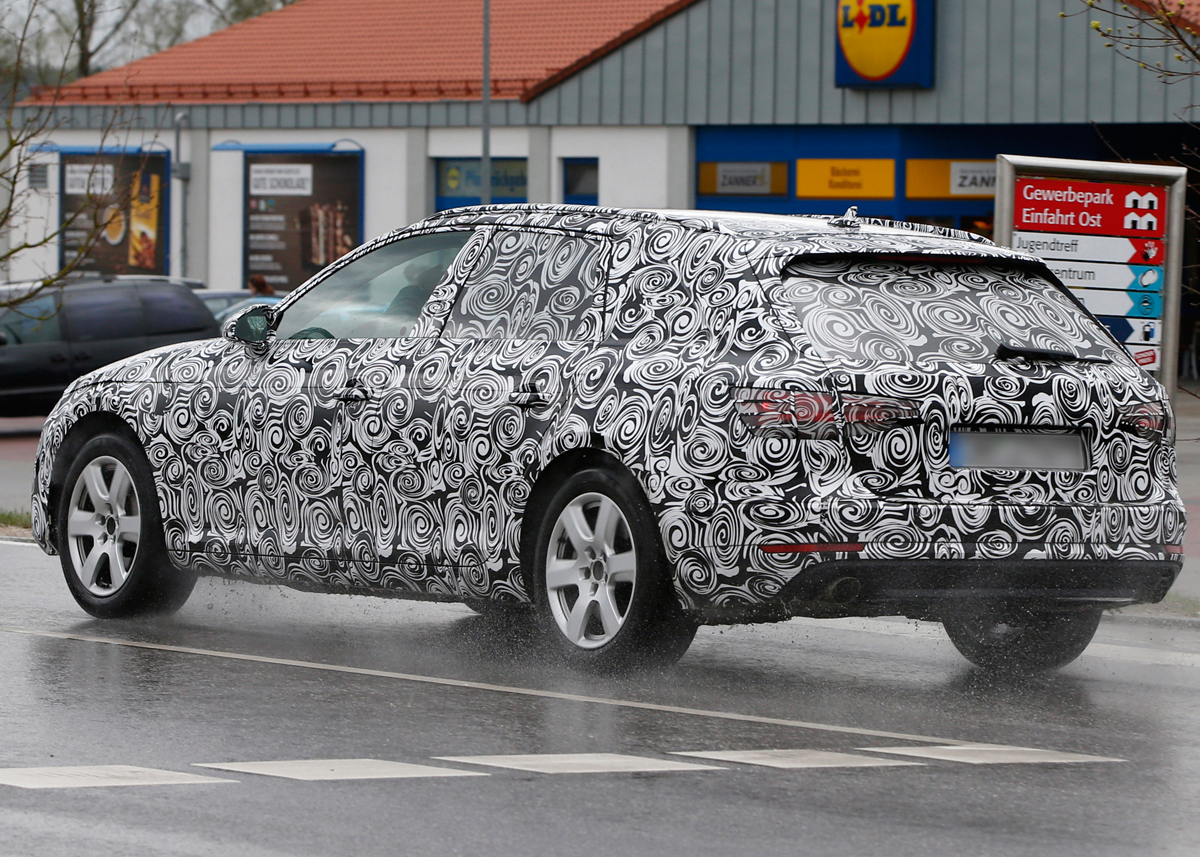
x=1005, y=351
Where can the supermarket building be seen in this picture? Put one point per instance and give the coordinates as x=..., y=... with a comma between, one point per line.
x=308, y=130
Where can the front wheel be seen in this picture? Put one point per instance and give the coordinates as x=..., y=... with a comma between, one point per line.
x=602, y=587
x=1018, y=641
x=111, y=536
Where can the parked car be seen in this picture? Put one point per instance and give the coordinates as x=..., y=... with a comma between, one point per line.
x=64, y=332
x=630, y=423
x=258, y=300
x=217, y=301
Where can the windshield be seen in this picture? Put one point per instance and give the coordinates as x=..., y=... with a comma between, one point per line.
x=860, y=312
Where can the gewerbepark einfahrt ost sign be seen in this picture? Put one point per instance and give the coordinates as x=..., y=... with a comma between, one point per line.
x=1112, y=233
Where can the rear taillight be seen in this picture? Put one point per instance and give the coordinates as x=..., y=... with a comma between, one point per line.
x=1149, y=420
x=812, y=414
x=879, y=411
x=807, y=414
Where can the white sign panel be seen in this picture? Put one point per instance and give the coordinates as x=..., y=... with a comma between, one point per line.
x=744, y=178
x=972, y=178
x=1089, y=248
x=89, y=179
x=1096, y=275
x=1146, y=356
x=281, y=179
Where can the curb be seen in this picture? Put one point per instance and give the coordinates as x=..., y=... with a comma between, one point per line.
x=17, y=540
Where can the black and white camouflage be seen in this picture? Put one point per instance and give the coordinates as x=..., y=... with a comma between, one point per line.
x=263, y=469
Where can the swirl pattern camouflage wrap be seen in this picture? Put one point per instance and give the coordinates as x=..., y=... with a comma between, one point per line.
x=405, y=466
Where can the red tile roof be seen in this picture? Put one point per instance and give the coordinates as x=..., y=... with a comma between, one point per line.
x=375, y=50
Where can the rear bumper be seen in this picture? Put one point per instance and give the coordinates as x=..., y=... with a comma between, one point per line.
x=929, y=587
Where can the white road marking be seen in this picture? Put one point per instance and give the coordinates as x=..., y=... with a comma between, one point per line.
x=339, y=769
x=493, y=688
x=797, y=759
x=581, y=763
x=97, y=775
x=989, y=754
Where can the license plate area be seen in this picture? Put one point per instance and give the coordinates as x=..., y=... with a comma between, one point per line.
x=1008, y=449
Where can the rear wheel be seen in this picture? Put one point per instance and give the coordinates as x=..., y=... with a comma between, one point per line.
x=1016, y=640
x=602, y=588
x=111, y=537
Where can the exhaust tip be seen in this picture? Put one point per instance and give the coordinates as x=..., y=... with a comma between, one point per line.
x=843, y=590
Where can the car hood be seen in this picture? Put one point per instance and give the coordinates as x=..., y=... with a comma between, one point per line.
x=180, y=363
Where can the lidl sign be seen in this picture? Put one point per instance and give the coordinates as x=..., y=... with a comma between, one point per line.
x=885, y=43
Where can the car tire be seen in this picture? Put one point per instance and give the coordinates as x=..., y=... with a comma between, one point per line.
x=603, y=591
x=1018, y=641
x=110, y=534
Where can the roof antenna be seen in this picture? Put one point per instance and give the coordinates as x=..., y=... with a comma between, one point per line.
x=849, y=220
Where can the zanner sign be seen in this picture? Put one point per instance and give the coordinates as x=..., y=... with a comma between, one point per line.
x=884, y=43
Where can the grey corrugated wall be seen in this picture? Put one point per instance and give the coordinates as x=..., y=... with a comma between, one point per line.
x=745, y=62
x=738, y=62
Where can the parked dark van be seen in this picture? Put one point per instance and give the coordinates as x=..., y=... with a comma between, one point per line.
x=54, y=337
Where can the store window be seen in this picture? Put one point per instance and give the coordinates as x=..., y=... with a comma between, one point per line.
x=458, y=181
x=128, y=192
x=303, y=211
x=581, y=181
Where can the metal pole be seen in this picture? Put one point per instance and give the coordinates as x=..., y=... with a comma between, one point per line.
x=183, y=172
x=485, y=162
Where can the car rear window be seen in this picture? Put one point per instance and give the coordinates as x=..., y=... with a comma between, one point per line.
x=860, y=312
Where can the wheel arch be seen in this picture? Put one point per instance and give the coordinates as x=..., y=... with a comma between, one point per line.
x=554, y=474
x=84, y=429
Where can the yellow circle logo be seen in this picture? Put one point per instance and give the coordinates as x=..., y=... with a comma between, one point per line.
x=876, y=36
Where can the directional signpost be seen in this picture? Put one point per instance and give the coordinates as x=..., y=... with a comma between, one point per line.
x=1113, y=233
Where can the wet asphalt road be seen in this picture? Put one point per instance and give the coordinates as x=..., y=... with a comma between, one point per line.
x=248, y=673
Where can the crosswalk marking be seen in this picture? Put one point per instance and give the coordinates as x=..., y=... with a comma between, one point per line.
x=581, y=763
x=797, y=759
x=85, y=776
x=989, y=754
x=339, y=769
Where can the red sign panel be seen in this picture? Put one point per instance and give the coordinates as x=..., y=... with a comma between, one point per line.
x=1090, y=208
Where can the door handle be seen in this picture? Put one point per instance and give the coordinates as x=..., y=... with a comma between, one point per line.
x=84, y=355
x=354, y=394
x=58, y=358
x=528, y=395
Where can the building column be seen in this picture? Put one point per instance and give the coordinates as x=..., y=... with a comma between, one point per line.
x=539, y=166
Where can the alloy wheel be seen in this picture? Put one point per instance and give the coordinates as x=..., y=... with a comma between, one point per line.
x=103, y=525
x=591, y=570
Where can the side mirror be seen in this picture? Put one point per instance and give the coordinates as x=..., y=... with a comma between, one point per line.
x=251, y=326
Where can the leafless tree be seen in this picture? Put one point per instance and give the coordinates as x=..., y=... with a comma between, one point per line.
x=22, y=228
x=1152, y=24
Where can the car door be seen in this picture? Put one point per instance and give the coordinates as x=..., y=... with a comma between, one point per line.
x=528, y=310
x=362, y=353
x=104, y=324
x=35, y=360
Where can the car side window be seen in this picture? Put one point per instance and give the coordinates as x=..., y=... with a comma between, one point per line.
x=379, y=295
x=33, y=321
x=532, y=285
x=172, y=308
x=104, y=313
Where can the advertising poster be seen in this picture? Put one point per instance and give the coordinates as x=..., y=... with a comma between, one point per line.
x=303, y=211
x=127, y=194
